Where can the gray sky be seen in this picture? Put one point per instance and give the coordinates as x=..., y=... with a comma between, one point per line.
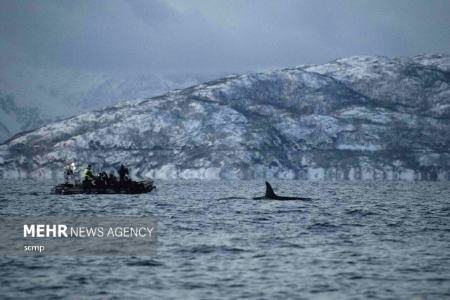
x=216, y=36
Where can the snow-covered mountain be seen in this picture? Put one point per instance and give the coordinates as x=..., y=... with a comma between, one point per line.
x=354, y=118
x=33, y=96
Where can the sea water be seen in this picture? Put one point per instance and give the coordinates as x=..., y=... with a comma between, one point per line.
x=352, y=240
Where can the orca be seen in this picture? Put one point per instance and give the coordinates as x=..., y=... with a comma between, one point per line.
x=270, y=195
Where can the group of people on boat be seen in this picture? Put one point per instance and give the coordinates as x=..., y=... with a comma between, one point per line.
x=101, y=180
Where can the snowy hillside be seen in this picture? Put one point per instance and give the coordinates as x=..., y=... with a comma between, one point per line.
x=354, y=118
x=31, y=97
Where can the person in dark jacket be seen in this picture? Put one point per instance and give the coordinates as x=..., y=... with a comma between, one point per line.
x=104, y=178
x=112, y=180
x=123, y=173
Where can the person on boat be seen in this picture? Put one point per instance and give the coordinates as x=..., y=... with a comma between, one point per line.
x=123, y=173
x=98, y=181
x=87, y=178
x=112, y=180
x=68, y=174
x=75, y=177
x=104, y=178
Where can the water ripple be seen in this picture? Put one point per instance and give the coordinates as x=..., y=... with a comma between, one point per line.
x=384, y=240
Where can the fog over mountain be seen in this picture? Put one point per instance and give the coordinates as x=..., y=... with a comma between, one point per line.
x=31, y=97
x=361, y=117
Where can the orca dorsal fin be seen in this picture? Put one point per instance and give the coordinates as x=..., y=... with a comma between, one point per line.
x=269, y=191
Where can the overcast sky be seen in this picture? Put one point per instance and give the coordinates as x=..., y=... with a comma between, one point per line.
x=216, y=36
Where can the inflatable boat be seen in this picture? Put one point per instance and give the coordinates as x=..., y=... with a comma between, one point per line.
x=129, y=187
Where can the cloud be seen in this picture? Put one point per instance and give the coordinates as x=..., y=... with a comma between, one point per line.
x=215, y=36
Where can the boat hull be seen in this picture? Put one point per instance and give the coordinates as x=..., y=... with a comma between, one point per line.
x=132, y=187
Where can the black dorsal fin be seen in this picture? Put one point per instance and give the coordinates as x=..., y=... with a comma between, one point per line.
x=269, y=191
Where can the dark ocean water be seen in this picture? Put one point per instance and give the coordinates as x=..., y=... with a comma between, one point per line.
x=380, y=240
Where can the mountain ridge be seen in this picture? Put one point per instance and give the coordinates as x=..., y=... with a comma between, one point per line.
x=355, y=118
